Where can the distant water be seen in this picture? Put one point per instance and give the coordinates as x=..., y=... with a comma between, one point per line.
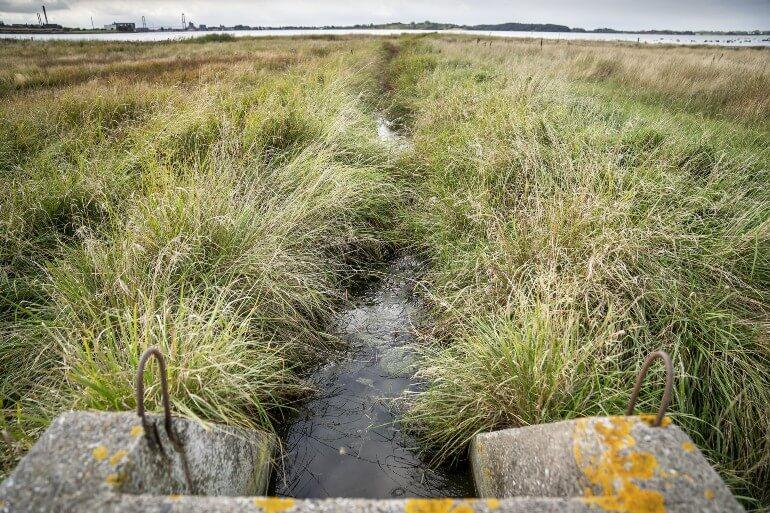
x=676, y=39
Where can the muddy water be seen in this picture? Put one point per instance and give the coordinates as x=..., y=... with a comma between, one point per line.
x=346, y=441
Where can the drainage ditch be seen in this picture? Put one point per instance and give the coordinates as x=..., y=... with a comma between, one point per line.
x=346, y=441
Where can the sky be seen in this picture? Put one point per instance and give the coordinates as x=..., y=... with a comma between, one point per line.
x=589, y=14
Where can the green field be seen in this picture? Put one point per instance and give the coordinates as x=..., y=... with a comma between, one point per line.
x=578, y=205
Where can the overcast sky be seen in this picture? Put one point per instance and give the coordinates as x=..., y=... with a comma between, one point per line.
x=619, y=14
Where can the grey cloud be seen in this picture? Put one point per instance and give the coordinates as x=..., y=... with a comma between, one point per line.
x=30, y=6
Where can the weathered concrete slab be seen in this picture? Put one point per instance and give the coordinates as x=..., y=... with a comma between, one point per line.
x=101, y=462
x=117, y=503
x=612, y=463
x=85, y=454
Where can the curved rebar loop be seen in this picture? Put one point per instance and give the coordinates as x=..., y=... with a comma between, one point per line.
x=150, y=429
x=666, y=392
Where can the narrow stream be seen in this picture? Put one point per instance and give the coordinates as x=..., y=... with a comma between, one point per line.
x=346, y=441
x=389, y=136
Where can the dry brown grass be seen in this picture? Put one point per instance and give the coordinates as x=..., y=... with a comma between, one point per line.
x=716, y=81
x=29, y=65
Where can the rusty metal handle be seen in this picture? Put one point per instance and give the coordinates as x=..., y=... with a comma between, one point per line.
x=154, y=351
x=666, y=392
x=150, y=429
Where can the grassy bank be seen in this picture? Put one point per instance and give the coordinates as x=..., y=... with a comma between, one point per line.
x=576, y=219
x=213, y=207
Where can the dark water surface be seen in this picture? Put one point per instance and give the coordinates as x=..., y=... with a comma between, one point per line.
x=345, y=441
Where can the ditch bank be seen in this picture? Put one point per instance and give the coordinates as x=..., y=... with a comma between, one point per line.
x=346, y=443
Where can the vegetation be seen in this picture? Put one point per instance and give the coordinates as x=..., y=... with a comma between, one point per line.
x=576, y=219
x=213, y=38
x=579, y=204
x=213, y=210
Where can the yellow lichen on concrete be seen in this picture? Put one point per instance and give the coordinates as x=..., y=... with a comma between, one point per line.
x=462, y=507
x=437, y=506
x=428, y=505
x=274, y=504
x=493, y=504
x=117, y=457
x=136, y=431
x=688, y=446
x=100, y=453
x=617, y=469
x=709, y=494
x=174, y=497
x=649, y=419
x=112, y=479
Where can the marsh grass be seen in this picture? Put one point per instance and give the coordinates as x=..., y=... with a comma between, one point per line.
x=569, y=234
x=721, y=83
x=580, y=205
x=219, y=219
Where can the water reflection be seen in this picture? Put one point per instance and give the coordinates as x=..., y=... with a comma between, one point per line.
x=346, y=442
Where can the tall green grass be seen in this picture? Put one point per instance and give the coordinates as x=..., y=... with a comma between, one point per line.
x=219, y=219
x=212, y=38
x=568, y=236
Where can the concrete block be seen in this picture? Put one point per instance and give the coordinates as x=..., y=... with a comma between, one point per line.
x=87, y=454
x=187, y=504
x=612, y=463
x=101, y=462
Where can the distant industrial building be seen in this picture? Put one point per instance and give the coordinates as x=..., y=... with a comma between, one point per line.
x=121, y=26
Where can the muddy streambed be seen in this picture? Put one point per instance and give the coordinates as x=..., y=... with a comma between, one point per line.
x=346, y=441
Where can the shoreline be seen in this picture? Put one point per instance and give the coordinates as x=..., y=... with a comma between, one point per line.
x=764, y=33
x=757, y=42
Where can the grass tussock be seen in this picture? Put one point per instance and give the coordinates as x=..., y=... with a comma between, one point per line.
x=219, y=219
x=569, y=235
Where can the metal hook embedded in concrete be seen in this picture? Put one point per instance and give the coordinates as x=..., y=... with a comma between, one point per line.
x=150, y=429
x=667, y=391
